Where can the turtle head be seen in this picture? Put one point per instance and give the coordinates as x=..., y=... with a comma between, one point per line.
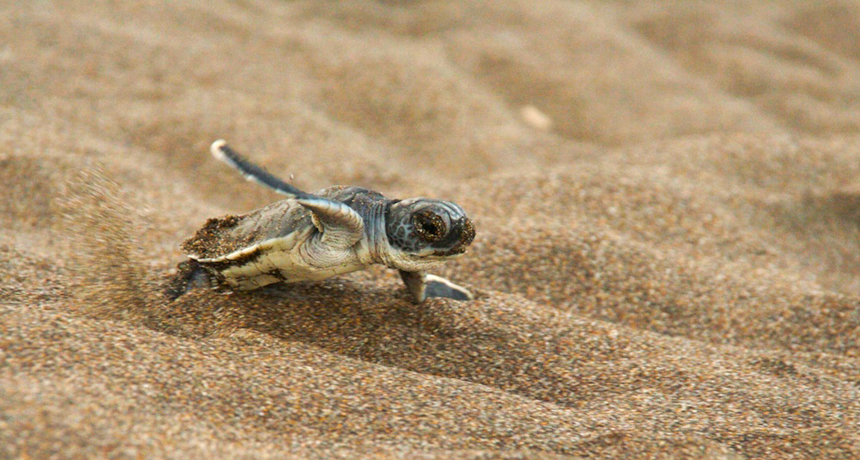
x=425, y=232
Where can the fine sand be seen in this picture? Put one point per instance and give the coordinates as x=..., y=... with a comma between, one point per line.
x=666, y=196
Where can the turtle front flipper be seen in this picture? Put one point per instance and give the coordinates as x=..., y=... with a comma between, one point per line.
x=422, y=286
x=340, y=225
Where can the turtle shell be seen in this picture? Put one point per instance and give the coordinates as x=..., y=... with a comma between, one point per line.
x=259, y=248
x=224, y=235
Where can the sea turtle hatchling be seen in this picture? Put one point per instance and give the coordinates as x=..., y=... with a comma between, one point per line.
x=316, y=236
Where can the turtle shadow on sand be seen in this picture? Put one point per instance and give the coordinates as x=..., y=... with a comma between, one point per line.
x=486, y=341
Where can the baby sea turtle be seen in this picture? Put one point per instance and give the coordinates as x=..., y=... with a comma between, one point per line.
x=316, y=236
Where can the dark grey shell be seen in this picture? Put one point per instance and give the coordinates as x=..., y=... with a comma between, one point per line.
x=227, y=234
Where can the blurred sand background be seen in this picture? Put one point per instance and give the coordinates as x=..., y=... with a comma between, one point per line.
x=667, y=197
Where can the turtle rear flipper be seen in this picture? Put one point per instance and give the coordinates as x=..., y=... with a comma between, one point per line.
x=422, y=286
x=190, y=275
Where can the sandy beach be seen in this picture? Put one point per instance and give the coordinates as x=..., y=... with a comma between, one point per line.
x=666, y=197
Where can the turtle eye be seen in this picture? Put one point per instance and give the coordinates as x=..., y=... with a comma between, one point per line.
x=429, y=226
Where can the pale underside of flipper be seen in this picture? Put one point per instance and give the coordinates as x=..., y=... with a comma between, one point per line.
x=423, y=286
